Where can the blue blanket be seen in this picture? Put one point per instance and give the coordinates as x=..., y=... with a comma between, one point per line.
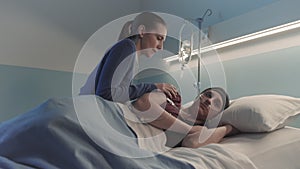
x=73, y=133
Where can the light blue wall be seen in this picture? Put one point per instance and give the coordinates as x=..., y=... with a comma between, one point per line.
x=24, y=88
x=277, y=13
x=192, y=9
x=274, y=72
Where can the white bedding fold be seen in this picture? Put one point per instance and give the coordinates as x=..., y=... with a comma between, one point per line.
x=274, y=150
x=212, y=156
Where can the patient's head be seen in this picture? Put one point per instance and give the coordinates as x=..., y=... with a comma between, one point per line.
x=211, y=102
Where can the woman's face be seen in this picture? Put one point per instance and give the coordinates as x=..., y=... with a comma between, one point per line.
x=211, y=104
x=153, y=40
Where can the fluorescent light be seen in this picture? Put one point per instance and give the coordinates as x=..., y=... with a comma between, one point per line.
x=241, y=39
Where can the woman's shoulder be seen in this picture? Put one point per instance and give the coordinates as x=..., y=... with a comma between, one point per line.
x=128, y=43
x=122, y=49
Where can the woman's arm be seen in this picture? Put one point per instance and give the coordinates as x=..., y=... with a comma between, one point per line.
x=149, y=109
x=115, y=73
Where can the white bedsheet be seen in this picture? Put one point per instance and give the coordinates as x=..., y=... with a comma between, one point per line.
x=279, y=149
x=213, y=156
x=275, y=150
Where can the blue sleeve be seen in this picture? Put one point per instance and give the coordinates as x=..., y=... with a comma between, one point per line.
x=136, y=91
x=107, y=68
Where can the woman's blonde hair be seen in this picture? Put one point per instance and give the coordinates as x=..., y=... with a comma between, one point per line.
x=148, y=19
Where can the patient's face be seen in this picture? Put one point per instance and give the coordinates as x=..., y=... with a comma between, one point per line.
x=211, y=104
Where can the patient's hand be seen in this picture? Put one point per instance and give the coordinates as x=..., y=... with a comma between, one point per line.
x=195, y=129
x=233, y=131
x=192, y=139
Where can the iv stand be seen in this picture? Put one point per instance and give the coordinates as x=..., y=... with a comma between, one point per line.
x=208, y=12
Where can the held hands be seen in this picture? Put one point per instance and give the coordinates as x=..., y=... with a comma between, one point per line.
x=168, y=89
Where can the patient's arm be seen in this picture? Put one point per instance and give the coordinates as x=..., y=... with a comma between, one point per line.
x=206, y=136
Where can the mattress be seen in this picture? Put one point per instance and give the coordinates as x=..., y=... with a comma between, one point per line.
x=278, y=149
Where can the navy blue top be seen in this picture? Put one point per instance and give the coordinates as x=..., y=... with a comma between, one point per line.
x=115, y=73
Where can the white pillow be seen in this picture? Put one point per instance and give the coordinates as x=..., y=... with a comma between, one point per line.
x=260, y=113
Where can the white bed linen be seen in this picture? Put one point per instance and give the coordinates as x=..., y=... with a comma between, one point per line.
x=274, y=150
x=208, y=157
x=279, y=149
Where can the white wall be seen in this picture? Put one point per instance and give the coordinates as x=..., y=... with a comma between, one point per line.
x=277, y=13
x=192, y=9
x=49, y=34
x=280, y=49
x=40, y=41
x=273, y=13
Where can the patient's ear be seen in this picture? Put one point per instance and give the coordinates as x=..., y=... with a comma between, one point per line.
x=141, y=31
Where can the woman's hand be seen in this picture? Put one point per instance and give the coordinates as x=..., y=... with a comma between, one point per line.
x=168, y=89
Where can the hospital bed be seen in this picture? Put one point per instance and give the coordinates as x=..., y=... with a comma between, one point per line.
x=89, y=132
